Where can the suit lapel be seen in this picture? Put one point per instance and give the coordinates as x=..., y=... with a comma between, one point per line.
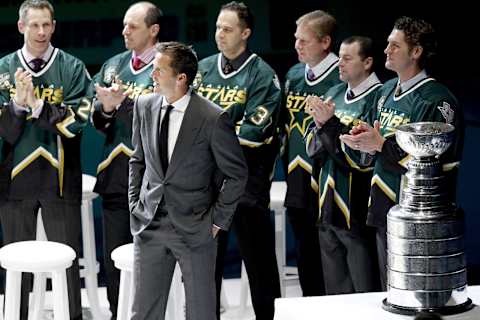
x=155, y=121
x=192, y=120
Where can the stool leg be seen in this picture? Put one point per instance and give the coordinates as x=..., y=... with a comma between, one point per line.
x=90, y=259
x=179, y=293
x=244, y=290
x=60, y=295
x=223, y=297
x=38, y=296
x=12, y=295
x=1, y=308
x=130, y=296
x=124, y=302
x=280, y=249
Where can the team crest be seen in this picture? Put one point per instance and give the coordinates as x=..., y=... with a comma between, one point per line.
x=447, y=111
x=276, y=82
x=110, y=74
x=5, y=81
x=381, y=102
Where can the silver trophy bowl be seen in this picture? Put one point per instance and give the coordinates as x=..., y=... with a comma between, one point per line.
x=425, y=139
x=426, y=266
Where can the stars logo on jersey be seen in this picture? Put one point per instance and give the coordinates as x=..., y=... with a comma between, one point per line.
x=5, y=81
x=446, y=111
x=299, y=118
x=109, y=74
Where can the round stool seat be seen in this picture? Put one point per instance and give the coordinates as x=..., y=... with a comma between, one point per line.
x=123, y=257
x=36, y=256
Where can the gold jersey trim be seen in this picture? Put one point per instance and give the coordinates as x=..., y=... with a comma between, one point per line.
x=39, y=152
x=121, y=148
x=330, y=182
x=384, y=187
x=298, y=161
x=62, y=126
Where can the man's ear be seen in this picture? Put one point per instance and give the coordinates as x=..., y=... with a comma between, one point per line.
x=246, y=33
x=367, y=63
x=326, y=42
x=154, y=30
x=417, y=52
x=21, y=26
x=182, y=77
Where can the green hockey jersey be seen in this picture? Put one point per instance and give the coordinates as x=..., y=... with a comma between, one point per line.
x=343, y=186
x=302, y=182
x=252, y=97
x=427, y=100
x=112, y=171
x=46, y=150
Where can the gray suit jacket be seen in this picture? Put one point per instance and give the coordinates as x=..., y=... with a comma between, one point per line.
x=206, y=175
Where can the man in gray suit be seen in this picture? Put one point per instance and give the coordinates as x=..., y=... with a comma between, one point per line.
x=181, y=191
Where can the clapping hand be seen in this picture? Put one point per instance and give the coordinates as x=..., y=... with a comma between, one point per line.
x=365, y=138
x=321, y=110
x=112, y=96
x=23, y=84
x=24, y=93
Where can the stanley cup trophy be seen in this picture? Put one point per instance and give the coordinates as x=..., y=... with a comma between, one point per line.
x=426, y=262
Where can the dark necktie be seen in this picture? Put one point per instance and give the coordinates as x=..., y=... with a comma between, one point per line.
x=310, y=75
x=227, y=68
x=36, y=64
x=164, y=139
x=350, y=94
x=137, y=63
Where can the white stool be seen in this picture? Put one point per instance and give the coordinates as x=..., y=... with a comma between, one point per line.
x=123, y=260
x=89, y=267
x=288, y=275
x=36, y=257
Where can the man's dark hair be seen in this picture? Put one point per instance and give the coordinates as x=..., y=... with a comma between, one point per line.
x=419, y=33
x=34, y=4
x=183, y=58
x=244, y=14
x=365, y=45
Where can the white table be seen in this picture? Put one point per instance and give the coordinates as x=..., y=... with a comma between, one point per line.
x=357, y=306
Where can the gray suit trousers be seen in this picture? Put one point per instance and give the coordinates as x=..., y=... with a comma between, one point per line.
x=156, y=250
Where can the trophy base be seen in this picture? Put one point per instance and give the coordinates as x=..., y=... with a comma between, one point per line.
x=410, y=311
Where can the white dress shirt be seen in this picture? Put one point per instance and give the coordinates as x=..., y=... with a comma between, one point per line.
x=176, y=118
